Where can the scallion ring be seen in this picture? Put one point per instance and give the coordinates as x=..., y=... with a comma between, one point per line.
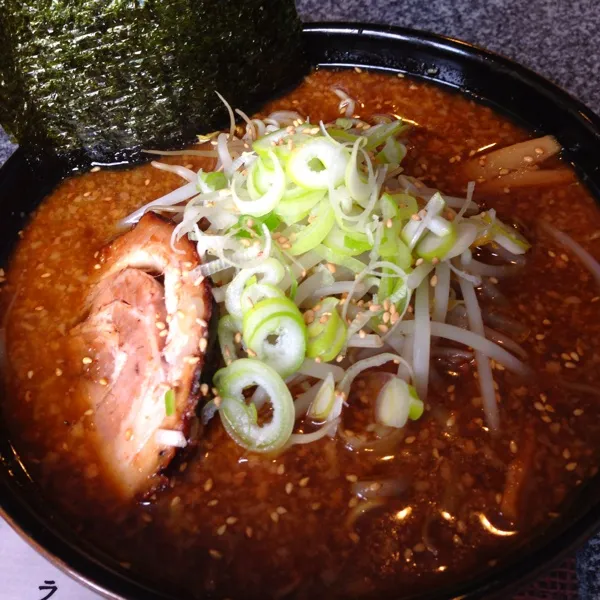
x=240, y=419
x=275, y=332
x=272, y=272
x=317, y=164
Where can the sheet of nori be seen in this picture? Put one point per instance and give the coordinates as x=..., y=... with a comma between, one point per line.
x=96, y=80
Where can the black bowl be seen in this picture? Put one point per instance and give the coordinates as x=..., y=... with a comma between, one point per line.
x=509, y=88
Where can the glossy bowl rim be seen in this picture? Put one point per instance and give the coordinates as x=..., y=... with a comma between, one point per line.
x=102, y=579
x=457, y=47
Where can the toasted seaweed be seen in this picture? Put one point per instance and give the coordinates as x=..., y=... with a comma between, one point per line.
x=94, y=81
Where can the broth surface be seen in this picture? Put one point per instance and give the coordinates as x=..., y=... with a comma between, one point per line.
x=232, y=524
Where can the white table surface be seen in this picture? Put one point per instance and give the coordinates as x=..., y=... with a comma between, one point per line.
x=25, y=575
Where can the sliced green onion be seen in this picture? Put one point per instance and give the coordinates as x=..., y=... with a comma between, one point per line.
x=386, y=286
x=391, y=287
x=293, y=286
x=327, y=332
x=212, y=181
x=313, y=234
x=341, y=135
x=275, y=331
x=395, y=290
x=270, y=220
x=320, y=278
x=466, y=234
x=255, y=293
x=265, y=308
x=326, y=406
x=297, y=203
x=350, y=123
x=508, y=237
x=287, y=352
x=226, y=331
x=392, y=247
x=389, y=206
x=350, y=244
x=359, y=189
x=439, y=226
x=326, y=190
x=321, y=312
x=416, y=405
x=378, y=134
x=401, y=296
x=240, y=419
x=434, y=246
x=260, y=178
x=255, y=190
x=317, y=164
x=264, y=145
x=407, y=206
x=335, y=240
x=264, y=204
x=415, y=229
x=396, y=403
x=392, y=153
x=337, y=258
x=275, y=142
x=170, y=403
x=272, y=272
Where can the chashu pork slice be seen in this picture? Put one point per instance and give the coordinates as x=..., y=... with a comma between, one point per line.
x=143, y=339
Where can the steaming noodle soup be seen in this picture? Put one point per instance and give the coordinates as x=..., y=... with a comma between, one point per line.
x=402, y=387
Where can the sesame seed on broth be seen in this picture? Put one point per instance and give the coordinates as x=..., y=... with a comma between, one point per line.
x=291, y=524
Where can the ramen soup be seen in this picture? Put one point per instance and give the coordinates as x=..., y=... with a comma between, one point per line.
x=348, y=348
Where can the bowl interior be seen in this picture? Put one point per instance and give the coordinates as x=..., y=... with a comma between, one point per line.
x=510, y=89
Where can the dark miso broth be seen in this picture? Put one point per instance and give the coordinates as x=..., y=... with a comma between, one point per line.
x=232, y=524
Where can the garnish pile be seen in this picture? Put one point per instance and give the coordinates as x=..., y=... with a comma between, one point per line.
x=328, y=260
